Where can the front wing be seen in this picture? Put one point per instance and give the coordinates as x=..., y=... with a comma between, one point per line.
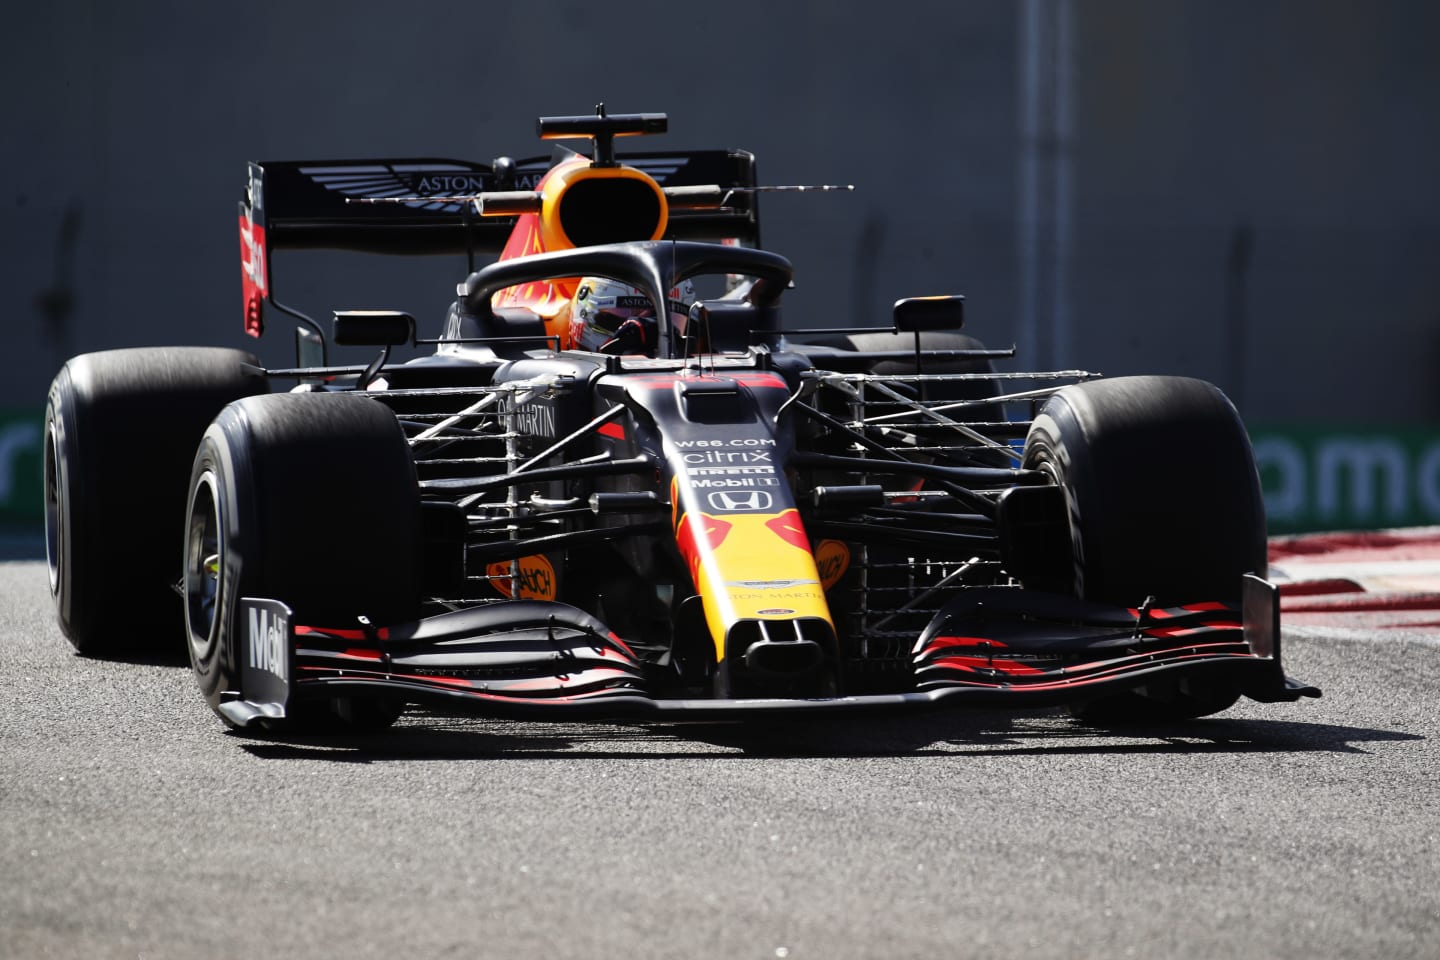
x=990, y=648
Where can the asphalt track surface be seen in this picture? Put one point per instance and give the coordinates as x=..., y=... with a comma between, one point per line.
x=133, y=825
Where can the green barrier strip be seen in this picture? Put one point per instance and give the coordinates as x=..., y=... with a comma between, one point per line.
x=1348, y=478
x=20, y=468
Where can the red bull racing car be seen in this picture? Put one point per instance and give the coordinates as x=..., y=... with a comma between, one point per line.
x=624, y=484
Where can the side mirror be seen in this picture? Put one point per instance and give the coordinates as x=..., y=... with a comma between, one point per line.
x=915, y=314
x=373, y=328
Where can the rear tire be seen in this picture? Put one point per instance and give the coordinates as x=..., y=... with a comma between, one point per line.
x=1163, y=501
x=120, y=432
x=312, y=500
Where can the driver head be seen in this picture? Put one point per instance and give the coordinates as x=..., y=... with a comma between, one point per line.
x=607, y=316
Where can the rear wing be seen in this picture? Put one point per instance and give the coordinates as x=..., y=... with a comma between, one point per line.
x=291, y=205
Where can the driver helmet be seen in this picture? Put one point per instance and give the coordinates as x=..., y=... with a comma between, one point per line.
x=608, y=316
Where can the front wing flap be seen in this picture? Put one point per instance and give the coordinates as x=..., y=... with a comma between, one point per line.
x=1024, y=641
x=992, y=648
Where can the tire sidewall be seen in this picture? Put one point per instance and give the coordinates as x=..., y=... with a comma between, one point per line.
x=1045, y=452
x=61, y=517
x=228, y=470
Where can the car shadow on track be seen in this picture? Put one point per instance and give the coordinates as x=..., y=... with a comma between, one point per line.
x=972, y=734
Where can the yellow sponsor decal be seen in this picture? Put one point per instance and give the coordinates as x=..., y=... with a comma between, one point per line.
x=832, y=559
x=537, y=578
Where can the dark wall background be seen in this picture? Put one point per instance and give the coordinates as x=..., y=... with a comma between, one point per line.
x=1239, y=191
x=1258, y=203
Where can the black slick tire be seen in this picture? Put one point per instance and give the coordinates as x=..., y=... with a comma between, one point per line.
x=121, y=427
x=1163, y=501
x=312, y=500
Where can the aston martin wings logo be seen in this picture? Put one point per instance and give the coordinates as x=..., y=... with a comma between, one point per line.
x=413, y=181
x=661, y=169
x=410, y=184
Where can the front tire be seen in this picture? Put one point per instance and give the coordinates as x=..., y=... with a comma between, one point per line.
x=1163, y=500
x=121, y=428
x=312, y=500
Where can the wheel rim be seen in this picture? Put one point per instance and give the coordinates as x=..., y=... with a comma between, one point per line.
x=204, y=561
x=55, y=520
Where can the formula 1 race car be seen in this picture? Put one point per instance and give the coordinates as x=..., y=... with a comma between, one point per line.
x=622, y=485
